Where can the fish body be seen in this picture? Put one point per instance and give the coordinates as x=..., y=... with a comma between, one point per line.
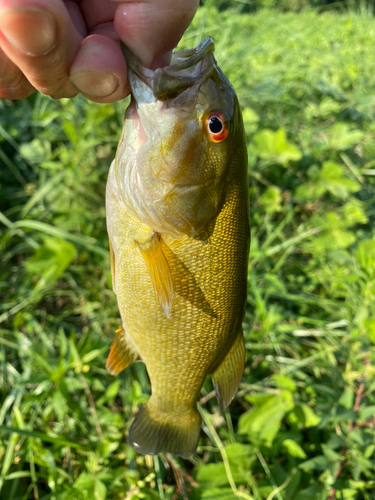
x=178, y=225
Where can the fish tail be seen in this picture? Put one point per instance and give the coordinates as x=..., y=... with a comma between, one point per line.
x=153, y=431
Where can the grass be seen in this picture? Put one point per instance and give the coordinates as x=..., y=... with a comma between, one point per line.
x=302, y=424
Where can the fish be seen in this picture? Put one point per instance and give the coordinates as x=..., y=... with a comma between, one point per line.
x=177, y=209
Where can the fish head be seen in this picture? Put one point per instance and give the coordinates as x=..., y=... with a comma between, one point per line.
x=185, y=130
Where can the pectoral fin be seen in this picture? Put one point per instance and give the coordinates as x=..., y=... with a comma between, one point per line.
x=160, y=272
x=227, y=377
x=122, y=354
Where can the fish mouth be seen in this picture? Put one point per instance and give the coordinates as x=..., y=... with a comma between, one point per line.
x=187, y=68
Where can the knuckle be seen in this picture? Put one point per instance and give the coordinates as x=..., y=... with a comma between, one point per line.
x=15, y=86
x=14, y=93
x=13, y=83
x=61, y=86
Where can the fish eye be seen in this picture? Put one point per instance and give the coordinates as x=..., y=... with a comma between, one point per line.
x=217, y=126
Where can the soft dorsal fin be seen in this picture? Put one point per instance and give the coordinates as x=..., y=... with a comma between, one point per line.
x=160, y=272
x=227, y=377
x=122, y=354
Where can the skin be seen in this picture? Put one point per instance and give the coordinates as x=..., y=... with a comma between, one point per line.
x=63, y=47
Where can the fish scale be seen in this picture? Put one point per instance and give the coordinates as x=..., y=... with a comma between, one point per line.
x=181, y=291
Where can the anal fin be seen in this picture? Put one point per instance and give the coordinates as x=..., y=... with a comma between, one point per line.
x=227, y=376
x=160, y=272
x=121, y=353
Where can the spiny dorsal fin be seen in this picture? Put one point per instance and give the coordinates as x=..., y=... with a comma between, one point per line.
x=160, y=272
x=227, y=377
x=112, y=263
x=121, y=354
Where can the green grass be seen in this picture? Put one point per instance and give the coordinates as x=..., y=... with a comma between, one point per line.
x=302, y=424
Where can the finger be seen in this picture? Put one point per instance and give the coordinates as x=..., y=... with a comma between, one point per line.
x=99, y=69
x=39, y=37
x=75, y=14
x=97, y=13
x=150, y=28
x=13, y=84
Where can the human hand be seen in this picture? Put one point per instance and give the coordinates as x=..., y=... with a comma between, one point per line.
x=63, y=47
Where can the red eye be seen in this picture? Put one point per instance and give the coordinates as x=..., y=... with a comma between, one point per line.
x=217, y=126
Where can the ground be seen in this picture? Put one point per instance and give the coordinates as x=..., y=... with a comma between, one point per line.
x=302, y=423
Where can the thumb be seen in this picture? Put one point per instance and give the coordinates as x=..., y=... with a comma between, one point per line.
x=151, y=28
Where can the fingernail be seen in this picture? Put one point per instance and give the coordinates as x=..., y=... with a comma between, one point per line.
x=142, y=52
x=30, y=30
x=161, y=61
x=145, y=55
x=95, y=83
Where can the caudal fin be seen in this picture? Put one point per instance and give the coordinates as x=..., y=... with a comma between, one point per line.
x=153, y=432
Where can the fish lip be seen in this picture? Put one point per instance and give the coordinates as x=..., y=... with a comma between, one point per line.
x=189, y=57
x=188, y=186
x=187, y=68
